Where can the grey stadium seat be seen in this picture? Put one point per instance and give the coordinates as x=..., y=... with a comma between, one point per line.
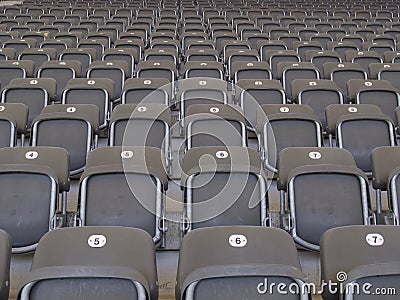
x=91, y=91
x=23, y=170
x=385, y=170
x=11, y=69
x=242, y=257
x=280, y=126
x=13, y=123
x=34, y=93
x=144, y=124
x=318, y=94
x=223, y=186
x=359, y=129
x=146, y=90
x=252, y=93
x=101, y=257
x=71, y=127
x=214, y=125
x=135, y=177
x=324, y=190
x=367, y=256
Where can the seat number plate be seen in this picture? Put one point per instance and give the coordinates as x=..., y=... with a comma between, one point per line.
x=97, y=241
x=237, y=240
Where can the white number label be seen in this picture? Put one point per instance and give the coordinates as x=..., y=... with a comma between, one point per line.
x=314, y=155
x=375, y=239
x=97, y=241
x=142, y=108
x=284, y=109
x=352, y=109
x=31, y=155
x=126, y=154
x=2, y=108
x=214, y=110
x=221, y=154
x=71, y=109
x=237, y=240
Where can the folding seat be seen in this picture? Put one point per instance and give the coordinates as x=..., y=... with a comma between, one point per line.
x=135, y=44
x=302, y=47
x=140, y=30
x=352, y=38
x=232, y=56
x=250, y=70
x=265, y=45
x=158, y=54
x=7, y=54
x=389, y=72
x=5, y=261
x=91, y=91
x=231, y=268
x=97, y=44
x=377, y=92
x=21, y=29
x=38, y=56
x=281, y=126
x=61, y=71
x=252, y=93
x=385, y=162
x=363, y=58
x=319, y=58
x=118, y=71
x=322, y=38
x=140, y=177
x=341, y=73
x=7, y=35
x=130, y=56
x=219, y=38
x=52, y=30
x=288, y=38
x=142, y=90
x=162, y=69
x=223, y=186
x=274, y=31
x=91, y=24
x=254, y=38
x=142, y=125
x=39, y=36
x=102, y=256
x=382, y=38
x=73, y=37
x=310, y=177
x=72, y=127
x=200, y=91
x=208, y=69
x=33, y=93
x=318, y=94
x=214, y=125
x=289, y=71
x=165, y=44
x=84, y=55
x=233, y=45
x=342, y=47
x=335, y=31
x=192, y=36
x=34, y=176
x=378, y=47
x=359, y=129
x=200, y=55
x=392, y=57
x=15, y=69
x=9, y=23
x=57, y=44
x=13, y=123
x=366, y=256
x=274, y=57
x=19, y=44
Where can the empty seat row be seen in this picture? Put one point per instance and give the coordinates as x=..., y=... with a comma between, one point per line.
x=246, y=261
